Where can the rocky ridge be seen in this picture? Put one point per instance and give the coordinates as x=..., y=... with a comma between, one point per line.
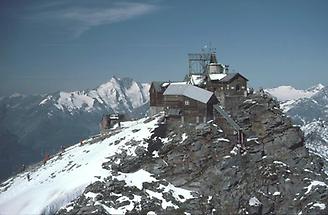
x=310, y=112
x=274, y=175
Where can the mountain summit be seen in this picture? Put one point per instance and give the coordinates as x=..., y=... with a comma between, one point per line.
x=152, y=166
x=118, y=95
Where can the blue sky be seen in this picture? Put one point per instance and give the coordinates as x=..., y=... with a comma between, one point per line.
x=50, y=45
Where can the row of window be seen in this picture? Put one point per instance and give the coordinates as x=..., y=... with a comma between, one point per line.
x=237, y=88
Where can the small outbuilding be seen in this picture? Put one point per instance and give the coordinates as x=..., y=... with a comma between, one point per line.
x=109, y=120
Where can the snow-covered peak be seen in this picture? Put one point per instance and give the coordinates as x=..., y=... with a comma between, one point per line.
x=284, y=93
x=316, y=88
x=115, y=94
x=124, y=91
x=75, y=100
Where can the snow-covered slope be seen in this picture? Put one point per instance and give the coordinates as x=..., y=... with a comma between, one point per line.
x=63, y=178
x=31, y=125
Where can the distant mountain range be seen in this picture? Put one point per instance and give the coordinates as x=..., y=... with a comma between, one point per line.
x=308, y=109
x=32, y=125
x=285, y=93
x=154, y=166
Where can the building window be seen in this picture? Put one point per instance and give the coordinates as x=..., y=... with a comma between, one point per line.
x=221, y=88
x=232, y=88
x=228, y=87
x=237, y=87
x=187, y=102
x=243, y=87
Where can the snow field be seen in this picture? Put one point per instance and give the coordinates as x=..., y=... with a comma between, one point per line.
x=64, y=178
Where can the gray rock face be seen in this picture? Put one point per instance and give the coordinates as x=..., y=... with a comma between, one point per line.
x=311, y=113
x=275, y=175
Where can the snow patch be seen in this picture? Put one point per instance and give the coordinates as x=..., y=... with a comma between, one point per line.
x=280, y=163
x=180, y=195
x=155, y=154
x=314, y=184
x=234, y=151
x=254, y=202
x=276, y=193
x=184, y=137
x=136, y=179
x=122, y=209
x=223, y=139
x=319, y=205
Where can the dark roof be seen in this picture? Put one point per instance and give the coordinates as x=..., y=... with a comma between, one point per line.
x=230, y=76
x=158, y=86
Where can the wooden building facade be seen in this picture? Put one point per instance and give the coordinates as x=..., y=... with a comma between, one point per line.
x=189, y=103
x=232, y=84
x=156, y=98
x=230, y=89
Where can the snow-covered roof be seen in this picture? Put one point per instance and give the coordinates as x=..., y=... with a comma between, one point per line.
x=217, y=77
x=175, y=83
x=231, y=76
x=165, y=84
x=190, y=91
x=160, y=86
x=197, y=79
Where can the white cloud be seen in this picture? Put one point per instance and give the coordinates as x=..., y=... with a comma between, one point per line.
x=82, y=18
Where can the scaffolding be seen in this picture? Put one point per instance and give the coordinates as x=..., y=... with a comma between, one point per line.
x=198, y=63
